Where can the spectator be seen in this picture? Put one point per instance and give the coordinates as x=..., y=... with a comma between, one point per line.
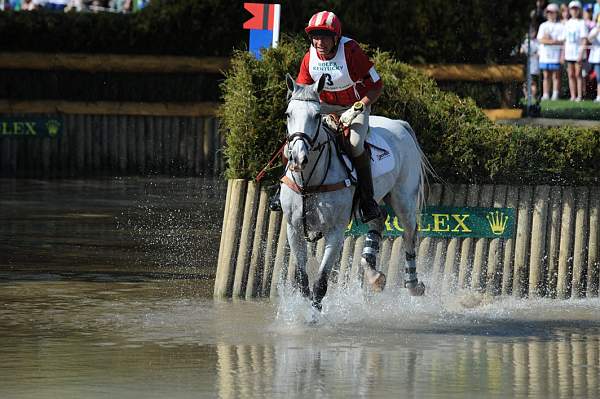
x=533, y=59
x=56, y=5
x=575, y=36
x=588, y=16
x=564, y=13
x=28, y=5
x=594, y=38
x=537, y=15
x=596, y=11
x=550, y=37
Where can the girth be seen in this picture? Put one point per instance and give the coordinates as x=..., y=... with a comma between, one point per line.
x=323, y=188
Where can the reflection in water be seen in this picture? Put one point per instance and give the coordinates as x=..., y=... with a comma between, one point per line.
x=159, y=339
x=79, y=317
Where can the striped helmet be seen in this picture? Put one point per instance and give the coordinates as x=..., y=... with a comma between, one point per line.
x=325, y=21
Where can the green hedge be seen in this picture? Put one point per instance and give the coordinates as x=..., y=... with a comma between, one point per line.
x=461, y=142
x=436, y=31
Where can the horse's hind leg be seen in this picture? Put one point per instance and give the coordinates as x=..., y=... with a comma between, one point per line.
x=405, y=209
x=298, y=248
x=369, y=255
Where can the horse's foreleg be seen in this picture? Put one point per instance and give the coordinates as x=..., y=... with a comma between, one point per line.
x=333, y=243
x=369, y=255
x=298, y=248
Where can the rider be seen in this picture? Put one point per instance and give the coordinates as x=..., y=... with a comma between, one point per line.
x=351, y=86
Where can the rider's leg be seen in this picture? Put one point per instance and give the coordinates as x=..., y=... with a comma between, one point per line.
x=274, y=201
x=362, y=161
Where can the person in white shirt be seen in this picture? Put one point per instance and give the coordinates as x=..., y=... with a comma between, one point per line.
x=550, y=38
x=575, y=36
x=534, y=62
x=594, y=38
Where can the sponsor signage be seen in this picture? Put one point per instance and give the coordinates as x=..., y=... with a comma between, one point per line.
x=30, y=127
x=448, y=222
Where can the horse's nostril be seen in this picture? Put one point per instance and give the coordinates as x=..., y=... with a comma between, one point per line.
x=304, y=161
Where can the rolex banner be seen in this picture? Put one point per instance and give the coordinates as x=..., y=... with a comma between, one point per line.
x=30, y=127
x=439, y=221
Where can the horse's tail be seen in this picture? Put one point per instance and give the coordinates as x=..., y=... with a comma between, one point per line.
x=426, y=170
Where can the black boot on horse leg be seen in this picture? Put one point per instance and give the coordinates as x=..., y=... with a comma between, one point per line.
x=274, y=201
x=319, y=291
x=411, y=282
x=369, y=209
x=301, y=283
x=368, y=261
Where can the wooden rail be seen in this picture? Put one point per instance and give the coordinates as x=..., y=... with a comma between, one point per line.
x=198, y=109
x=113, y=63
x=183, y=64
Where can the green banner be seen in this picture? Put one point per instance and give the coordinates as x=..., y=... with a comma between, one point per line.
x=444, y=222
x=30, y=127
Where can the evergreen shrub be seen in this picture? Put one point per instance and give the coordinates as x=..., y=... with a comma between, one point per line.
x=463, y=145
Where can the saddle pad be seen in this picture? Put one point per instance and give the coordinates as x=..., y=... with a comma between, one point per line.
x=382, y=158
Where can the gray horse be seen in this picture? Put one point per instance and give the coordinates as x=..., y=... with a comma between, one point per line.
x=317, y=194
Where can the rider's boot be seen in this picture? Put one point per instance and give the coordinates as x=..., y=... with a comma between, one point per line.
x=369, y=209
x=274, y=201
x=369, y=261
x=411, y=282
x=319, y=291
x=302, y=283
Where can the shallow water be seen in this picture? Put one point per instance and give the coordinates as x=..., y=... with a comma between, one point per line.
x=120, y=306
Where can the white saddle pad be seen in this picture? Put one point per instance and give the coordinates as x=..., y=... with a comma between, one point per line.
x=382, y=158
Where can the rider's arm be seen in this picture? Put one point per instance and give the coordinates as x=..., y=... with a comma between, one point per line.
x=372, y=95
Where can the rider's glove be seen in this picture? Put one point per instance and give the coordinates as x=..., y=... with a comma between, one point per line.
x=349, y=115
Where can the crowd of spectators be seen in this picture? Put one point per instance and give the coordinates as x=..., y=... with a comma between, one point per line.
x=564, y=37
x=118, y=6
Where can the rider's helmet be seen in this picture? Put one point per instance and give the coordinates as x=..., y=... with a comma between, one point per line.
x=325, y=22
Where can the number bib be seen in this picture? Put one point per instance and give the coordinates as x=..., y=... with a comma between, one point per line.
x=337, y=76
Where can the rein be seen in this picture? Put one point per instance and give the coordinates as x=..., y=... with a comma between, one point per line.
x=305, y=191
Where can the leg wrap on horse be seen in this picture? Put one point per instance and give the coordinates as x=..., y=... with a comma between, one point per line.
x=371, y=248
x=410, y=271
x=319, y=290
x=302, y=282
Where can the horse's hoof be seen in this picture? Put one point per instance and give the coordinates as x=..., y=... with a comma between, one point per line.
x=417, y=290
x=376, y=280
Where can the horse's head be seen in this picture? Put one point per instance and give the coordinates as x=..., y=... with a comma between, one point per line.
x=303, y=121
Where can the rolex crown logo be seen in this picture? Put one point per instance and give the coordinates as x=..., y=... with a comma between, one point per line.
x=498, y=221
x=53, y=127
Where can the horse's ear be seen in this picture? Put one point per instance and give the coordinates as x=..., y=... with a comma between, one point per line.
x=321, y=83
x=289, y=81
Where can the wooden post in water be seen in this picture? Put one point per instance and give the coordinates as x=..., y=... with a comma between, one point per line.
x=538, y=240
x=494, y=260
x=593, y=260
x=396, y=265
x=442, y=243
x=229, y=239
x=581, y=235
x=522, y=242
x=272, y=240
x=512, y=201
x=424, y=251
x=552, y=246
x=464, y=268
x=450, y=276
x=246, y=239
x=280, y=264
x=563, y=284
x=258, y=247
x=479, y=271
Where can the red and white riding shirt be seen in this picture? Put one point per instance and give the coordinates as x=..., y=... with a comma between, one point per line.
x=349, y=74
